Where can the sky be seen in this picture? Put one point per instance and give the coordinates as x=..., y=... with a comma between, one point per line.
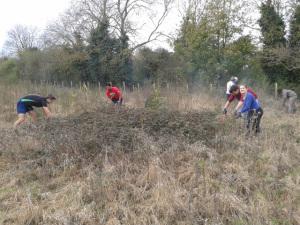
x=38, y=13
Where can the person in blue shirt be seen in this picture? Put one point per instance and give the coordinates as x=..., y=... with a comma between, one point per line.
x=250, y=107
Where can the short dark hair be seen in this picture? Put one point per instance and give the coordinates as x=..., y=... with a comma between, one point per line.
x=51, y=97
x=109, y=84
x=234, y=88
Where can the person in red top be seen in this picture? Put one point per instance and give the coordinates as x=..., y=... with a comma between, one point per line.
x=235, y=92
x=114, y=94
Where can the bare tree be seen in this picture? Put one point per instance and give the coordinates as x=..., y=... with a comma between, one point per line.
x=155, y=14
x=127, y=18
x=21, y=38
x=66, y=29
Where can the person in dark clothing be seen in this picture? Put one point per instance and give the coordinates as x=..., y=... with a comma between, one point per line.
x=27, y=103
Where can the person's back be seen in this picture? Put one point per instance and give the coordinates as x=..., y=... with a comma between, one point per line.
x=34, y=100
x=250, y=103
x=288, y=93
x=26, y=105
x=114, y=94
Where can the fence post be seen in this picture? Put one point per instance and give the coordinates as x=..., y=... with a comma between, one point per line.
x=138, y=87
x=154, y=86
x=210, y=87
x=124, y=87
x=276, y=90
x=99, y=88
x=71, y=84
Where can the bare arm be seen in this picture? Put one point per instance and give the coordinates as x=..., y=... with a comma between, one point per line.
x=239, y=105
x=226, y=105
x=47, y=112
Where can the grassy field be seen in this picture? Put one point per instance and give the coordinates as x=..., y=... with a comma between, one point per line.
x=183, y=163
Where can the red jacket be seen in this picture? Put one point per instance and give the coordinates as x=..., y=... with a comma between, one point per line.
x=114, y=93
x=239, y=96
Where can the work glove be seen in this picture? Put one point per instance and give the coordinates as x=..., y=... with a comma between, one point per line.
x=237, y=114
x=224, y=111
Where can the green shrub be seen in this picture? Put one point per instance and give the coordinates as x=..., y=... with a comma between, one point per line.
x=8, y=70
x=154, y=101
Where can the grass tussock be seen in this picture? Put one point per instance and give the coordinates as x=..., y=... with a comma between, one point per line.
x=95, y=164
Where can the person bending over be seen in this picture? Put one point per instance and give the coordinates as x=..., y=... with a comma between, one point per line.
x=26, y=105
x=114, y=94
x=251, y=107
x=235, y=94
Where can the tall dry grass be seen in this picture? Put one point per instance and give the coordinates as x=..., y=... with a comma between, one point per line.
x=237, y=180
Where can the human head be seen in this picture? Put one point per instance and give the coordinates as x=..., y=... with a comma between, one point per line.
x=243, y=89
x=50, y=98
x=109, y=85
x=234, y=79
x=235, y=90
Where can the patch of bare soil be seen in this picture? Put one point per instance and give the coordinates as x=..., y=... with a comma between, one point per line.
x=122, y=129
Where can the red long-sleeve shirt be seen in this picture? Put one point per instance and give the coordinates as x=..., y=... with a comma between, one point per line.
x=239, y=97
x=114, y=93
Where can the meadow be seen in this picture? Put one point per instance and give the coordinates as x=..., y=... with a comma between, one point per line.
x=179, y=161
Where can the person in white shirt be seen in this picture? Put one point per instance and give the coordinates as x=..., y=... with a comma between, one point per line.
x=233, y=81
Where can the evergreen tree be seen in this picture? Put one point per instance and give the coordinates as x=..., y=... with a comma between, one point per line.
x=273, y=36
x=272, y=26
x=294, y=37
x=294, y=45
x=109, y=57
x=125, y=63
x=102, y=49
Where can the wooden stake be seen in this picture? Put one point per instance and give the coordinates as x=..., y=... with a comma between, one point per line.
x=124, y=87
x=99, y=88
x=276, y=90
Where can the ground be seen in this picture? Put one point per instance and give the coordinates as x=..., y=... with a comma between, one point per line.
x=181, y=164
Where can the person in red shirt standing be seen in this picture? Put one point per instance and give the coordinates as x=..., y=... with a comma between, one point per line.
x=114, y=94
x=235, y=93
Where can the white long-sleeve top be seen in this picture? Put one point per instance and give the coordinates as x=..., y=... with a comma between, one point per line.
x=229, y=85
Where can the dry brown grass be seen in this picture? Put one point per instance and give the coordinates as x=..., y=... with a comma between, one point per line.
x=166, y=180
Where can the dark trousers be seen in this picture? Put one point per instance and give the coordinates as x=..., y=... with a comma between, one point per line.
x=117, y=101
x=255, y=113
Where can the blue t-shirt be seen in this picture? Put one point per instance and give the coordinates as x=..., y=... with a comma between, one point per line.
x=250, y=103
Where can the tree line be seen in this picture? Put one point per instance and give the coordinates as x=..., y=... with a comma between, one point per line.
x=94, y=41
